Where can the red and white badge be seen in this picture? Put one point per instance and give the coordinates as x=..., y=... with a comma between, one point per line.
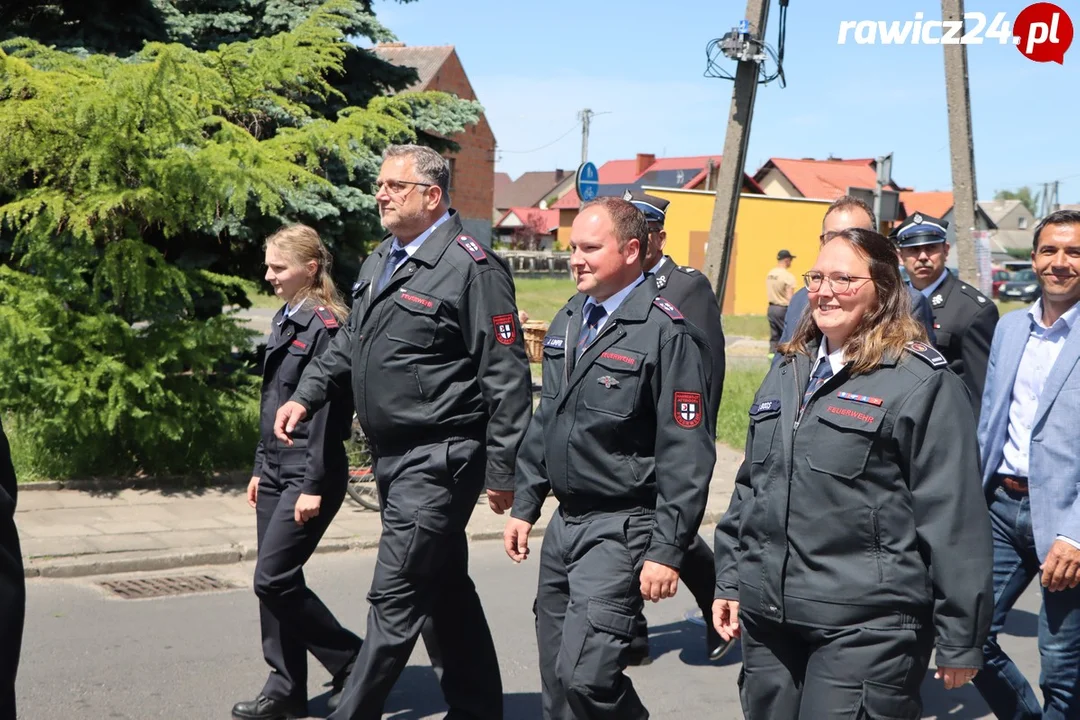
x=505, y=328
x=688, y=409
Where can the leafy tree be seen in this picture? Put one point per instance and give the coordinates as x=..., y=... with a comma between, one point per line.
x=1024, y=195
x=126, y=189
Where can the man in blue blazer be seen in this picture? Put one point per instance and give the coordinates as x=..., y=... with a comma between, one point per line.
x=1031, y=472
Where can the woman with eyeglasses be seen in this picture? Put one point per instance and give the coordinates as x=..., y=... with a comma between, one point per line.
x=858, y=531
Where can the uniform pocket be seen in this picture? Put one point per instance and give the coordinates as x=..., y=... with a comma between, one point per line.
x=608, y=631
x=764, y=418
x=611, y=385
x=418, y=324
x=553, y=369
x=844, y=438
x=427, y=547
x=887, y=702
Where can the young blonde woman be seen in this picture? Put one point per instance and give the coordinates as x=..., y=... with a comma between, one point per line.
x=296, y=490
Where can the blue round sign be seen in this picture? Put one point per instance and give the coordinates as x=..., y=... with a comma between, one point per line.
x=587, y=182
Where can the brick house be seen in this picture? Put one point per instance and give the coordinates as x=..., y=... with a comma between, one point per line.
x=472, y=168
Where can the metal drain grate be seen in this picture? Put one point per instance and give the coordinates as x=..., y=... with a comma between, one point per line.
x=140, y=588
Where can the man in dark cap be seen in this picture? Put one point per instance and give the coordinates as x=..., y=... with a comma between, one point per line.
x=779, y=287
x=964, y=318
x=12, y=584
x=690, y=291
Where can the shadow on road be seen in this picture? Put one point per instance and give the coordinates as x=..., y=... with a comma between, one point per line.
x=687, y=639
x=963, y=703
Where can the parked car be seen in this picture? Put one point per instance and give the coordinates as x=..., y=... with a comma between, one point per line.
x=1000, y=277
x=1022, y=286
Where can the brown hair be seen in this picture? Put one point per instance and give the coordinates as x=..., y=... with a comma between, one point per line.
x=629, y=222
x=1060, y=217
x=849, y=203
x=301, y=245
x=885, y=330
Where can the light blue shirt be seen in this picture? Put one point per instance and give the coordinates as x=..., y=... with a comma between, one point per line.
x=290, y=310
x=836, y=357
x=412, y=247
x=929, y=289
x=1040, y=353
x=612, y=303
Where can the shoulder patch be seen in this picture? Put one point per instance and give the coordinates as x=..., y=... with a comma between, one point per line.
x=973, y=293
x=326, y=316
x=927, y=354
x=472, y=247
x=668, y=309
x=687, y=270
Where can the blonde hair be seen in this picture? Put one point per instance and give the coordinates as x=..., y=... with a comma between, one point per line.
x=884, y=330
x=300, y=244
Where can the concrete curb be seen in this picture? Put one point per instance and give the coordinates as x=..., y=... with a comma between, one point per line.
x=140, y=561
x=164, y=482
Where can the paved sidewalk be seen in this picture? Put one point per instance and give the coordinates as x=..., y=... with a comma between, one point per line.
x=73, y=533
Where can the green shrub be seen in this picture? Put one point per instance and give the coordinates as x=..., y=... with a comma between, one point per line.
x=741, y=382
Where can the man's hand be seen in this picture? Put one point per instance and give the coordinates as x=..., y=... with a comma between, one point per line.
x=253, y=490
x=516, y=539
x=955, y=677
x=307, y=507
x=1061, y=570
x=658, y=581
x=725, y=618
x=288, y=417
x=500, y=500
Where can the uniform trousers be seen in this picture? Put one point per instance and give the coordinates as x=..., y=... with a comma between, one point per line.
x=294, y=620
x=861, y=671
x=422, y=582
x=776, y=316
x=588, y=597
x=698, y=574
x=12, y=584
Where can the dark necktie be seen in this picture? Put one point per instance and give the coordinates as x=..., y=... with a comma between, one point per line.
x=821, y=373
x=392, y=263
x=590, y=329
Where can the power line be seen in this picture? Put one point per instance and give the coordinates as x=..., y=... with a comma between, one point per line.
x=543, y=147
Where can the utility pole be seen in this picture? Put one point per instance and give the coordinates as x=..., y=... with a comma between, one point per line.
x=884, y=175
x=961, y=146
x=585, y=116
x=729, y=177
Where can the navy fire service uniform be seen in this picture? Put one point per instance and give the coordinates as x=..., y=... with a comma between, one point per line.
x=857, y=533
x=438, y=371
x=12, y=583
x=690, y=291
x=294, y=619
x=624, y=440
x=964, y=318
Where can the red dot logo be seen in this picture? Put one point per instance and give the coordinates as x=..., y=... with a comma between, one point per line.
x=1043, y=32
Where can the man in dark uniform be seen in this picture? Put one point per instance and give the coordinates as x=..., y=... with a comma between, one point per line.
x=442, y=388
x=690, y=291
x=624, y=438
x=12, y=583
x=964, y=318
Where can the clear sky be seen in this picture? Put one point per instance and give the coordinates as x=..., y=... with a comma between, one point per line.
x=534, y=65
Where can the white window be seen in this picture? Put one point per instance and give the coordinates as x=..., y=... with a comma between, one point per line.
x=1022, y=223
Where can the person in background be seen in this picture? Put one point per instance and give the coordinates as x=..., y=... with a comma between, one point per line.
x=856, y=534
x=1031, y=474
x=964, y=318
x=688, y=290
x=12, y=583
x=779, y=287
x=297, y=489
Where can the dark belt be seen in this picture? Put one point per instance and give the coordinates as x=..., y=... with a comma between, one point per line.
x=396, y=446
x=1017, y=485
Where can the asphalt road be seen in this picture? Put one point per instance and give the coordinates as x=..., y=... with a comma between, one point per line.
x=90, y=655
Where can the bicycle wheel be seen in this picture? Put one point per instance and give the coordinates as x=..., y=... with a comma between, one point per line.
x=363, y=489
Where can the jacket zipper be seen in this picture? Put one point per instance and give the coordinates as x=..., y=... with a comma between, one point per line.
x=877, y=544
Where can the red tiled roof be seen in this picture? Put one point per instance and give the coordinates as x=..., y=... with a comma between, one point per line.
x=823, y=179
x=549, y=218
x=934, y=203
x=427, y=60
x=569, y=201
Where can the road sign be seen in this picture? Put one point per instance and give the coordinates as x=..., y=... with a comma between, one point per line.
x=587, y=182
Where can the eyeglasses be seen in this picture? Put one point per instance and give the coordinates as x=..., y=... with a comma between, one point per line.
x=827, y=236
x=839, y=282
x=396, y=188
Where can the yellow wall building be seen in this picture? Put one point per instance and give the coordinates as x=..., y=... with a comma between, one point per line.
x=764, y=226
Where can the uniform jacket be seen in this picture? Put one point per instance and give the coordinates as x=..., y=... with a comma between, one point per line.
x=625, y=425
x=690, y=291
x=1053, y=463
x=317, y=457
x=964, y=322
x=435, y=354
x=866, y=507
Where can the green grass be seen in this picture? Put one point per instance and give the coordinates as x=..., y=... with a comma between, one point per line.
x=259, y=298
x=741, y=382
x=751, y=326
x=543, y=297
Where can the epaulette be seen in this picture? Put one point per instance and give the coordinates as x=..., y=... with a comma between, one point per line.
x=927, y=354
x=670, y=310
x=326, y=316
x=472, y=247
x=973, y=293
x=687, y=270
